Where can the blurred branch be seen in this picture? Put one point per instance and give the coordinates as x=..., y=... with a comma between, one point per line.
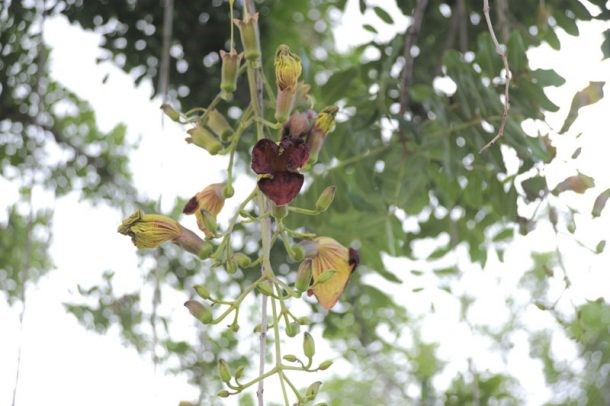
x=168, y=18
x=501, y=50
x=410, y=40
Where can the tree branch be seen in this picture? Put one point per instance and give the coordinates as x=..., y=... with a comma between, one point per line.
x=410, y=40
x=501, y=50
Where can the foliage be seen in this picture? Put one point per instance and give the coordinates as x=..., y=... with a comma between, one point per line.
x=388, y=167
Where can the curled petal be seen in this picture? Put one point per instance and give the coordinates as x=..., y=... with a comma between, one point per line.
x=264, y=156
x=283, y=187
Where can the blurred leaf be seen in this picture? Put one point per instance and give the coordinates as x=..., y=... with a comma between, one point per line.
x=600, y=203
x=384, y=15
x=578, y=184
x=587, y=96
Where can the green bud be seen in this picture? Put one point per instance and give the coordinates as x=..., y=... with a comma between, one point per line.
x=223, y=393
x=229, y=72
x=204, y=139
x=279, y=212
x=258, y=328
x=223, y=371
x=309, y=347
x=242, y=259
x=303, y=276
x=265, y=289
x=326, y=198
x=292, y=329
x=230, y=266
x=202, y=292
x=209, y=220
x=170, y=112
x=228, y=191
x=219, y=125
x=325, y=276
x=201, y=312
x=303, y=321
x=312, y=390
x=234, y=327
x=325, y=365
x=239, y=372
x=297, y=252
x=290, y=358
x=250, y=37
x=207, y=248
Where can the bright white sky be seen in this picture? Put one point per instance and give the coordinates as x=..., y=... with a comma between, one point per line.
x=62, y=363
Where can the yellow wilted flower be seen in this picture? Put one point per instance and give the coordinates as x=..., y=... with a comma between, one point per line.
x=149, y=230
x=209, y=199
x=331, y=256
x=287, y=68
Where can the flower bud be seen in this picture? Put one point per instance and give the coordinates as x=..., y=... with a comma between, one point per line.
x=324, y=124
x=204, y=139
x=309, y=347
x=219, y=125
x=298, y=125
x=312, y=391
x=149, y=230
x=209, y=200
x=202, y=291
x=292, y=329
x=223, y=371
x=303, y=321
x=201, y=312
x=229, y=72
x=303, y=276
x=170, y=112
x=223, y=393
x=230, y=267
x=228, y=191
x=250, y=37
x=242, y=260
x=234, y=327
x=287, y=68
x=265, y=289
x=297, y=253
x=239, y=372
x=325, y=365
x=326, y=198
x=290, y=358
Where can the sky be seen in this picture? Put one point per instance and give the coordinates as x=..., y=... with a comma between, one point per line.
x=62, y=363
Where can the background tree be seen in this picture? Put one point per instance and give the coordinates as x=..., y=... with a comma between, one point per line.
x=407, y=150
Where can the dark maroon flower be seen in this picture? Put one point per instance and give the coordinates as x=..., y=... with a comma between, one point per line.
x=282, y=164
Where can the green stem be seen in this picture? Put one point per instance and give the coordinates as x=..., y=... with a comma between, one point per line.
x=301, y=210
x=237, y=302
x=211, y=107
x=278, y=353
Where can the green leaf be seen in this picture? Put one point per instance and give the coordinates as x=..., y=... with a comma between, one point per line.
x=534, y=187
x=600, y=203
x=547, y=77
x=334, y=89
x=599, y=248
x=384, y=15
x=370, y=28
x=517, y=58
x=606, y=44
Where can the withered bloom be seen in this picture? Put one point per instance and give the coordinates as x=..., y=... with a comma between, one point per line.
x=325, y=122
x=281, y=164
x=149, y=230
x=211, y=200
x=287, y=68
x=330, y=255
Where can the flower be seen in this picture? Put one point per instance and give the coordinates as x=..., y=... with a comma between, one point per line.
x=279, y=163
x=211, y=200
x=149, y=230
x=325, y=122
x=287, y=68
x=330, y=255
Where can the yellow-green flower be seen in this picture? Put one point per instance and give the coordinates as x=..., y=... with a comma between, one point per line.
x=209, y=199
x=324, y=123
x=287, y=68
x=331, y=256
x=149, y=230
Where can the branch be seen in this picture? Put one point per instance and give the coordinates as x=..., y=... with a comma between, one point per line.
x=168, y=19
x=410, y=40
x=501, y=50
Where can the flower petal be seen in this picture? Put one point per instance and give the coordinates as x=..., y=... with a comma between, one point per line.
x=295, y=154
x=264, y=156
x=283, y=187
